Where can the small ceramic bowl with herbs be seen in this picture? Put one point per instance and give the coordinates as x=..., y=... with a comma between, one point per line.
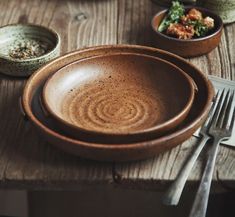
x=188, y=31
x=25, y=47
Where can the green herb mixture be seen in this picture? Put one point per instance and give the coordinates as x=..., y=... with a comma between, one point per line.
x=185, y=26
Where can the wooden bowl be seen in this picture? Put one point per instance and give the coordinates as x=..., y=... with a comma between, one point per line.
x=115, y=152
x=15, y=35
x=118, y=98
x=190, y=47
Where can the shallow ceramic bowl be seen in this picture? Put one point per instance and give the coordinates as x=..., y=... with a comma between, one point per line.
x=115, y=152
x=190, y=47
x=15, y=34
x=118, y=97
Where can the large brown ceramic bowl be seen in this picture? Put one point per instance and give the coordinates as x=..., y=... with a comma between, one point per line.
x=118, y=97
x=115, y=152
x=190, y=47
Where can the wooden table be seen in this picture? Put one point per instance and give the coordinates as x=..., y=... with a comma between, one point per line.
x=28, y=162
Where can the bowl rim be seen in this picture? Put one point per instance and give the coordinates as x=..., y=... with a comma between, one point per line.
x=173, y=120
x=29, y=114
x=50, y=30
x=204, y=38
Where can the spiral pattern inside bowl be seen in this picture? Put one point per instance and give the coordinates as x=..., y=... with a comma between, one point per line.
x=122, y=110
x=118, y=94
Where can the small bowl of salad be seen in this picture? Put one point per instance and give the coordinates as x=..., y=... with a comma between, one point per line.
x=188, y=31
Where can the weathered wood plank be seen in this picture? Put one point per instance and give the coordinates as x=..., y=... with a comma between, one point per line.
x=166, y=166
x=229, y=35
x=134, y=21
x=25, y=159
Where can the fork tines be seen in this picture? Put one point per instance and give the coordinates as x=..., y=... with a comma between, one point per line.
x=224, y=109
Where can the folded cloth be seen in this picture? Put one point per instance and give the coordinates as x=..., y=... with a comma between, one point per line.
x=220, y=84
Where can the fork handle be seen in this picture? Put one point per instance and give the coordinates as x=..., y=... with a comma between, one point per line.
x=173, y=194
x=201, y=200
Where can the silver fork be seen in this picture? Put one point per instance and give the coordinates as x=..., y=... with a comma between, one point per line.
x=220, y=129
x=173, y=194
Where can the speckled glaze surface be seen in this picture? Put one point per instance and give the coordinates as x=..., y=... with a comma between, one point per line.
x=17, y=33
x=118, y=98
x=115, y=152
x=190, y=47
x=224, y=8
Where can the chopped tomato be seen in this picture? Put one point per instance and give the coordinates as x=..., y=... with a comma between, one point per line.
x=180, y=31
x=194, y=14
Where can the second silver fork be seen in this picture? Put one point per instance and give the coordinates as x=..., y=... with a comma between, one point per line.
x=174, y=192
x=220, y=129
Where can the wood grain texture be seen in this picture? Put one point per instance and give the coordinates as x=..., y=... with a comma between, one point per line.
x=165, y=167
x=26, y=161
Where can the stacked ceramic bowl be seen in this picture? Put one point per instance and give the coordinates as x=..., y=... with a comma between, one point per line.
x=117, y=103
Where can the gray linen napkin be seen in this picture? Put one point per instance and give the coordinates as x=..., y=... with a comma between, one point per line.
x=220, y=84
